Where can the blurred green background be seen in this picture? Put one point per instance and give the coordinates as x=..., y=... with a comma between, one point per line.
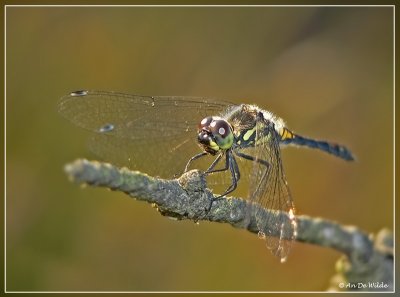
x=327, y=71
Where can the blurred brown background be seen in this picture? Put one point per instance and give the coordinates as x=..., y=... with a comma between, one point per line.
x=327, y=71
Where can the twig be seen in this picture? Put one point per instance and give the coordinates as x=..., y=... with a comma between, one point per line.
x=187, y=197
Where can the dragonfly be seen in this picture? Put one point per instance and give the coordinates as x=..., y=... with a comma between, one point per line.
x=138, y=131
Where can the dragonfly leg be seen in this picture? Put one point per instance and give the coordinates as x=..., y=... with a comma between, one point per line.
x=235, y=174
x=211, y=168
x=234, y=169
x=251, y=158
x=195, y=157
x=260, y=161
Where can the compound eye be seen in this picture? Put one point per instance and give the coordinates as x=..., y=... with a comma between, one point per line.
x=220, y=128
x=205, y=122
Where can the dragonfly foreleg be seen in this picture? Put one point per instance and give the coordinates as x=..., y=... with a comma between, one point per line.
x=235, y=174
x=195, y=157
x=215, y=162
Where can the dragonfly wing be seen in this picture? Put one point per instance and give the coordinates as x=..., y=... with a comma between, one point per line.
x=269, y=190
x=164, y=158
x=135, y=116
x=141, y=132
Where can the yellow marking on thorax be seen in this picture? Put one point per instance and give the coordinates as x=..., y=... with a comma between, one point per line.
x=248, y=134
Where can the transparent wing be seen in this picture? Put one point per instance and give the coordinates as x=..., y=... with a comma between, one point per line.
x=154, y=134
x=269, y=189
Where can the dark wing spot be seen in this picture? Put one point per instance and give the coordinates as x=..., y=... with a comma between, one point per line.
x=79, y=93
x=106, y=128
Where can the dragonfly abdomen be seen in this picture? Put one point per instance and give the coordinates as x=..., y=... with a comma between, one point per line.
x=288, y=137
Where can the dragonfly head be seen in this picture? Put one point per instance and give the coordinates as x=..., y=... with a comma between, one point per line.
x=215, y=134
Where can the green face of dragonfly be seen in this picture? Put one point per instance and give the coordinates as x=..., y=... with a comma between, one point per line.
x=215, y=134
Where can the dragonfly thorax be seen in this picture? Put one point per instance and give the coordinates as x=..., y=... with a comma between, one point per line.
x=215, y=134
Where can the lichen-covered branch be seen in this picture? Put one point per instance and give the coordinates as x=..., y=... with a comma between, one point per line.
x=367, y=260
